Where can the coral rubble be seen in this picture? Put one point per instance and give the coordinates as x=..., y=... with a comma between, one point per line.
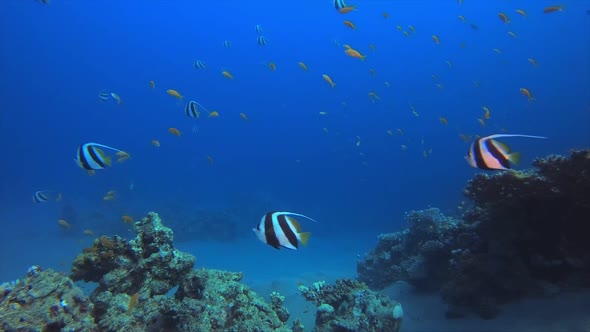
x=349, y=305
x=44, y=301
x=526, y=234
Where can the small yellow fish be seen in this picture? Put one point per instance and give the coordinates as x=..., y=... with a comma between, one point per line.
x=122, y=156
x=272, y=66
x=481, y=122
x=244, y=116
x=349, y=24
x=497, y=50
x=527, y=93
x=521, y=12
x=511, y=34
x=117, y=98
x=227, y=74
x=354, y=54
x=152, y=84
x=443, y=120
x=400, y=131
x=373, y=96
x=214, y=114
x=174, y=132
x=532, y=61
x=174, y=93
x=503, y=17
x=552, y=9
x=411, y=27
x=88, y=232
x=302, y=65
x=487, y=113
x=132, y=301
x=435, y=39
x=156, y=143
x=64, y=224
x=127, y=219
x=329, y=80
x=461, y=18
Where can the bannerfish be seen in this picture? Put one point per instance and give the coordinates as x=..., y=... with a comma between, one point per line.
x=261, y=40
x=192, y=109
x=40, y=196
x=280, y=229
x=90, y=156
x=340, y=4
x=488, y=154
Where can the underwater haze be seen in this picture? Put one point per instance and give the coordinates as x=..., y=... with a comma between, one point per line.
x=389, y=135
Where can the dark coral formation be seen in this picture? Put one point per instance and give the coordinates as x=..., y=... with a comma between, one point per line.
x=349, y=306
x=147, y=285
x=418, y=254
x=526, y=234
x=44, y=301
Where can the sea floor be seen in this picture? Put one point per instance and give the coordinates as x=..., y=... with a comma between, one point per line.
x=266, y=269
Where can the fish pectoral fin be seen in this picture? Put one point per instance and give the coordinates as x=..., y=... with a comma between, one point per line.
x=514, y=157
x=107, y=160
x=304, y=238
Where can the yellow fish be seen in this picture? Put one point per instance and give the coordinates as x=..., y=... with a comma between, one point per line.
x=354, y=54
x=174, y=93
x=213, y=114
x=244, y=116
x=227, y=74
x=152, y=84
x=329, y=80
x=302, y=65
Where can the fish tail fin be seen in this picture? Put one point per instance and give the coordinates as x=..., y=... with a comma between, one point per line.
x=514, y=157
x=304, y=238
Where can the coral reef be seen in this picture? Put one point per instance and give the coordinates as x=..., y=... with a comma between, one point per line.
x=148, y=285
x=419, y=254
x=44, y=301
x=349, y=305
x=525, y=235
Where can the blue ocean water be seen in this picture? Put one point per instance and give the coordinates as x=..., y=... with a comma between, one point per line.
x=354, y=177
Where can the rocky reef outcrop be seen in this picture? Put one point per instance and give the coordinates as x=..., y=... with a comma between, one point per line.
x=147, y=285
x=144, y=284
x=350, y=306
x=524, y=235
x=44, y=301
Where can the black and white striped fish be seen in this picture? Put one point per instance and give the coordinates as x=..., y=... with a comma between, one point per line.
x=192, y=109
x=339, y=4
x=261, y=40
x=488, y=154
x=40, y=196
x=90, y=156
x=280, y=229
x=103, y=96
x=198, y=64
x=227, y=44
x=258, y=28
x=43, y=196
